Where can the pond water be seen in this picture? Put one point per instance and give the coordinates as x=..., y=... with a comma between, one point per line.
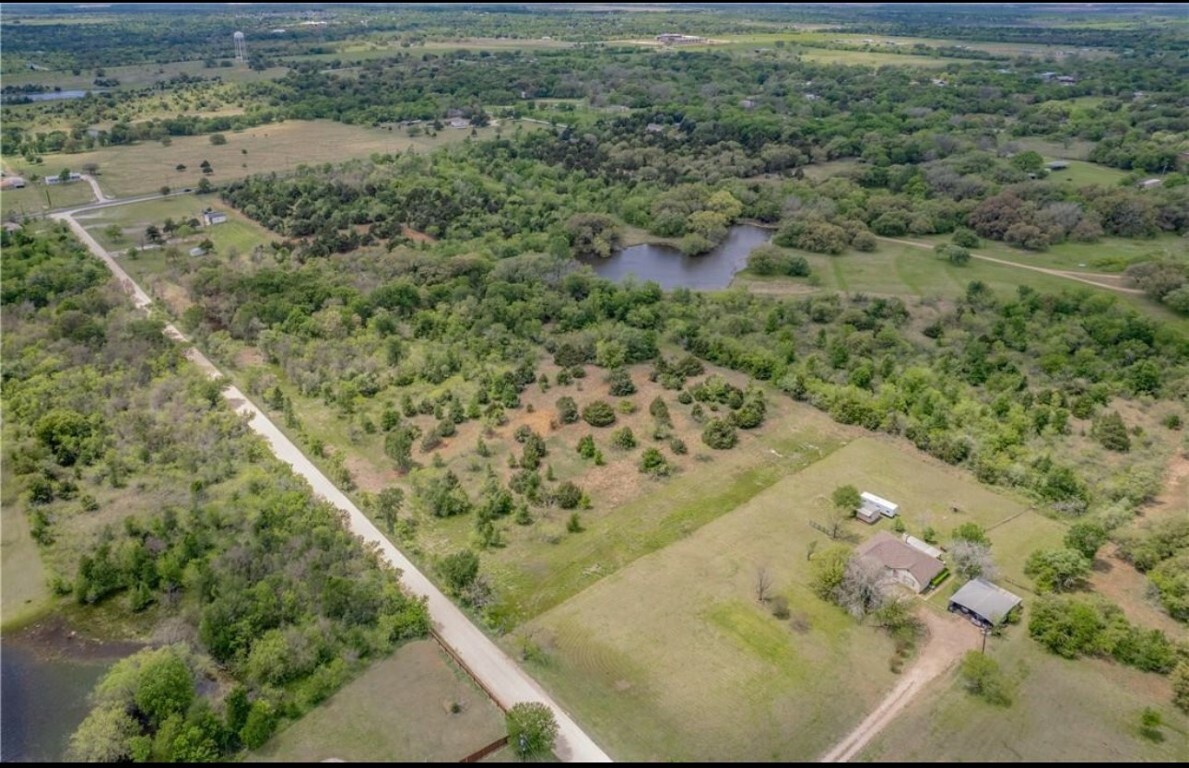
x=49, y=95
x=670, y=268
x=46, y=674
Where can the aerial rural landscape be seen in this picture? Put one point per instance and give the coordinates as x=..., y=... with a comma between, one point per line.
x=554, y=382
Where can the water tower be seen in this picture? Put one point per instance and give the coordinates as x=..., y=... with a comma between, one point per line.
x=241, y=48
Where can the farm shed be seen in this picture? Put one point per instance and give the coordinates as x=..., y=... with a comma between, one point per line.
x=984, y=603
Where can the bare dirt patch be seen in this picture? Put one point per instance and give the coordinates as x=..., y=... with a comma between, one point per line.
x=368, y=476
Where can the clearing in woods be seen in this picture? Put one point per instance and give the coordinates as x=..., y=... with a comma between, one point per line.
x=731, y=681
x=144, y=168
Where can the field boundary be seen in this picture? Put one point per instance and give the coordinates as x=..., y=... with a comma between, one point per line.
x=494, y=746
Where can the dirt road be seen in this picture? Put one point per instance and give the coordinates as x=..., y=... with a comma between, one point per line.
x=1096, y=279
x=498, y=673
x=949, y=638
x=99, y=196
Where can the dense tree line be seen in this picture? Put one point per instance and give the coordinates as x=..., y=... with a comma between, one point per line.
x=263, y=580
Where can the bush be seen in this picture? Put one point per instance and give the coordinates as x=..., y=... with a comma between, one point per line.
x=567, y=410
x=574, y=524
x=532, y=729
x=719, y=435
x=653, y=463
x=623, y=439
x=770, y=260
x=677, y=446
x=218, y=139
x=568, y=495
x=966, y=238
x=621, y=383
x=586, y=447
x=982, y=677
x=599, y=414
x=459, y=570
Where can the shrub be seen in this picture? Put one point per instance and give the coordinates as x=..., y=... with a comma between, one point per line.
x=567, y=495
x=599, y=414
x=982, y=677
x=623, y=439
x=586, y=447
x=459, y=570
x=621, y=383
x=653, y=463
x=532, y=729
x=719, y=435
x=567, y=410
x=677, y=446
x=574, y=524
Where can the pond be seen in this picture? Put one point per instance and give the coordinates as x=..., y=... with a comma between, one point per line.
x=22, y=98
x=46, y=675
x=670, y=268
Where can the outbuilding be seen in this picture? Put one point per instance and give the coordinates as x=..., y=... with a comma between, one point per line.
x=987, y=605
x=871, y=507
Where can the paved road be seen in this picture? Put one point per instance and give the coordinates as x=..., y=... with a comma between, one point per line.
x=499, y=674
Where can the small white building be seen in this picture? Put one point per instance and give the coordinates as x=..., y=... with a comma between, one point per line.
x=196, y=251
x=1151, y=183
x=211, y=218
x=871, y=507
x=51, y=180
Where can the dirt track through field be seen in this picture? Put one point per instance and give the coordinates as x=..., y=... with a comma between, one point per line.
x=949, y=638
x=496, y=672
x=1096, y=279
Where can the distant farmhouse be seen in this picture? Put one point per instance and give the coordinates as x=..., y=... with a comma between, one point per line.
x=872, y=507
x=1151, y=183
x=671, y=38
x=51, y=180
x=1057, y=165
x=984, y=603
x=914, y=569
x=12, y=182
x=211, y=218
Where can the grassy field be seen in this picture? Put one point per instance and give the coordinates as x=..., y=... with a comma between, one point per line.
x=32, y=199
x=146, y=167
x=239, y=232
x=1081, y=174
x=912, y=272
x=730, y=681
x=23, y=588
x=1063, y=711
x=141, y=75
x=396, y=711
x=541, y=565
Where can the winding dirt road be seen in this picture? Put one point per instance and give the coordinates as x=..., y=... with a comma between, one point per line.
x=948, y=640
x=495, y=670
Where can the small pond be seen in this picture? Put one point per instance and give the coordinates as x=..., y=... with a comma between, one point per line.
x=672, y=269
x=46, y=675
